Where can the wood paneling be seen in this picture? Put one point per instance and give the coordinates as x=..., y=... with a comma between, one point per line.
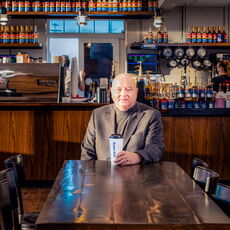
x=47, y=136
x=203, y=137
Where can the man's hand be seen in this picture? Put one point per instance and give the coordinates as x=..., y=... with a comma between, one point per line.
x=127, y=158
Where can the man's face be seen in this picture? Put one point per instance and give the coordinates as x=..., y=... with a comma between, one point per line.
x=124, y=92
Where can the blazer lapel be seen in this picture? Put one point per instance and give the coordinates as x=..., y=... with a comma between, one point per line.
x=110, y=122
x=131, y=126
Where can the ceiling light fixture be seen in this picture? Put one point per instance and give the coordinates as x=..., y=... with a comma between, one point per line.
x=81, y=18
x=157, y=18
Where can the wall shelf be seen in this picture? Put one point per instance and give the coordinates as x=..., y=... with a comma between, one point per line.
x=112, y=15
x=195, y=44
x=21, y=46
x=153, y=46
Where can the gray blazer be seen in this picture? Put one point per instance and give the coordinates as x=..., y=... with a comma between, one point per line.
x=144, y=134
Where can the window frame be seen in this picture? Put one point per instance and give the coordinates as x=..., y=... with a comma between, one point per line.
x=118, y=50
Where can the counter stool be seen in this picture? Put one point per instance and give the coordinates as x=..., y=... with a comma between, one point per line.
x=16, y=163
x=197, y=162
x=222, y=197
x=6, y=222
x=206, y=178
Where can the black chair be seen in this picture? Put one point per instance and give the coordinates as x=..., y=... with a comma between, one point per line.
x=222, y=197
x=8, y=175
x=197, y=162
x=206, y=178
x=6, y=219
x=16, y=163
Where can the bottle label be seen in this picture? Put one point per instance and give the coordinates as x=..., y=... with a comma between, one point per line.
x=78, y=5
x=183, y=104
x=27, y=37
x=14, y=6
x=12, y=38
x=139, y=5
x=84, y=5
x=130, y=6
x=63, y=6
x=125, y=6
x=189, y=38
x=196, y=105
x=194, y=38
x=37, y=6
x=164, y=105
x=52, y=6
x=204, y=37
x=21, y=6
x=115, y=6
x=209, y=94
x=159, y=37
x=165, y=37
x=214, y=38
x=104, y=6
x=199, y=37
x=210, y=37
x=6, y=38
x=99, y=6
x=135, y=6
x=35, y=37
x=189, y=104
x=219, y=37
x=210, y=105
x=220, y=102
x=68, y=6
x=58, y=6
x=21, y=37
x=27, y=6
x=180, y=93
x=188, y=93
x=195, y=93
x=171, y=104
x=204, y=105
x=202, y=93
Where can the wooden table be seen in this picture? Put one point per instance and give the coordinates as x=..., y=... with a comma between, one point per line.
x=95, y=195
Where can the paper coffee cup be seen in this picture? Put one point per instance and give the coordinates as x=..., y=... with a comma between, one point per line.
x=116, y=145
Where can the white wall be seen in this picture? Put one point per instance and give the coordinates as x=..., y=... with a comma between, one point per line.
x=138, y=29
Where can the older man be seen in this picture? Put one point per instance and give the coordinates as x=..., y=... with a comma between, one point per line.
x=139, y=124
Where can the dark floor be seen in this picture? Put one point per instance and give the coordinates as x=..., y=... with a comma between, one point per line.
x=34, y=198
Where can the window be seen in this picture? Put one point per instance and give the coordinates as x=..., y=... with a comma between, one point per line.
x=56, y=47
x=93, y=26
x=95, y=45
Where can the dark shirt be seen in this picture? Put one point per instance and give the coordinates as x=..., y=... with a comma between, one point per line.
x=122, y=118
x=223, y=79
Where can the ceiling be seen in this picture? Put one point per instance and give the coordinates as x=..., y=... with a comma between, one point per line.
x=170, y=4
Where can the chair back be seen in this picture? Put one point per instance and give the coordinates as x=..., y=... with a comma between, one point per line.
x=197, y=162
x=16, y=162
x=9, y=175
x=5, y=211
x=206, y=178
x=222, y=197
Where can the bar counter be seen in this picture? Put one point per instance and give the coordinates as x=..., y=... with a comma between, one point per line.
x=49, y=133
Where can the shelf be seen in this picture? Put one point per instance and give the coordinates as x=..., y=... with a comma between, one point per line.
x=125, y=15
x=153, y=46
x=21, y=46
x=195, y=44
x=198, y=112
